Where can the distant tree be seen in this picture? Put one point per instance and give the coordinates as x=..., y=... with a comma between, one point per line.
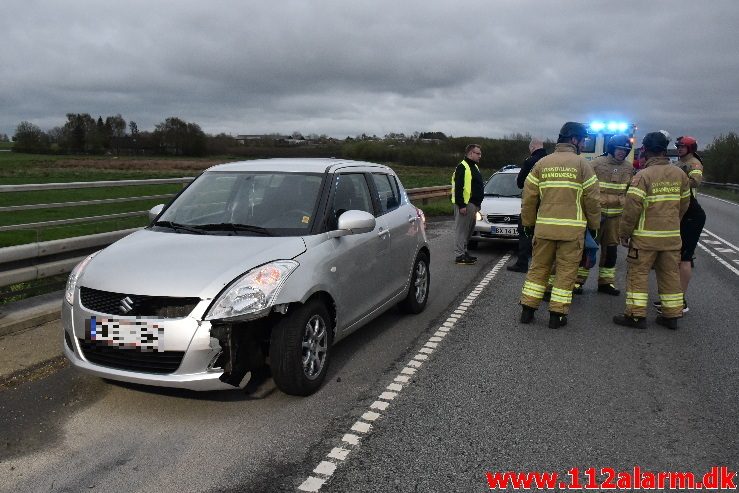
x=115, y=128
x=432, y=135
x=722, y=159
x=175, y=136
x=30, y=138
x=78, y=133
x=4, y=138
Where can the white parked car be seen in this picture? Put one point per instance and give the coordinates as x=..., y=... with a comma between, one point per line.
x=501, y=208
x=256, y=265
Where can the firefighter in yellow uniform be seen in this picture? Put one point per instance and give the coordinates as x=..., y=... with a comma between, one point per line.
x=614, y=174
x=560, y=197
x=650, y=226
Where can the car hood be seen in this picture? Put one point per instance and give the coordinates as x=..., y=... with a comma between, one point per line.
x=170, y=264
x=501, y=205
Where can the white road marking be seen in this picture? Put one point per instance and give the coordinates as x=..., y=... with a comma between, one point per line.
x=327, y=467
x=720, y=200
x=351, y=438
x=312, y=484
x=381, y=405
x=724, y=262
x=339, y=453
x=721, y=239
x=724, y=250
x=712, y=242
x=361, y=427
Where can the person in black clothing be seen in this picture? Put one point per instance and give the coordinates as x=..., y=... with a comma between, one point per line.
x=467, y=193
x=536, y=148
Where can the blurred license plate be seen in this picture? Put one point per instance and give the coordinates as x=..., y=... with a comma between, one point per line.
x=504, y=231
x=126, y=334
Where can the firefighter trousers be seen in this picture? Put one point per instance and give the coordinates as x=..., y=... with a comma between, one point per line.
x=565, y=256
x=608, y=241
x=666, y=266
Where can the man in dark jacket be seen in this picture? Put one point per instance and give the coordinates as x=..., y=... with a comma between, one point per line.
x=536, y=148
x=467, y=194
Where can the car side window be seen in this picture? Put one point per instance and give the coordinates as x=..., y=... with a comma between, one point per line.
x=350, y=193
x=388, y=193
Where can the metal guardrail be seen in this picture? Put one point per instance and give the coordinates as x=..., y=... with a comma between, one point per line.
x=33, y=261
x=725, y=186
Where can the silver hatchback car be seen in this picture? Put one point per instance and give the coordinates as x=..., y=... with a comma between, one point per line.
x=255, y=266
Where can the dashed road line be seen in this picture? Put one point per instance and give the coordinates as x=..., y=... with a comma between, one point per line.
x=726, y=242
x=350, y=442
x=724, y=262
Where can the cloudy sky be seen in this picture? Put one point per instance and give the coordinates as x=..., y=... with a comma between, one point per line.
x=342, y=68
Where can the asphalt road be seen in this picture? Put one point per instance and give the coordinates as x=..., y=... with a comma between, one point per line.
x=73, y=432
x=424, y=403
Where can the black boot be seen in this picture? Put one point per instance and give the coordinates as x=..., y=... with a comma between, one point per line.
x=670, y=323
x=527, y=314
x=628, y=321
x=577, y=289
x=609, y=289
x=557, y=320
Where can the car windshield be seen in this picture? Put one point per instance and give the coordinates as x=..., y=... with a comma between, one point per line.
x=502, y=185
x=245, y=203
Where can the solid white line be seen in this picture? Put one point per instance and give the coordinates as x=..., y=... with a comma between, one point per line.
x=719, y=238
x=726, y=264
x=720, y=200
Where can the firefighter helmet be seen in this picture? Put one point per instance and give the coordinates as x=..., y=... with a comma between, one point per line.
x=655, y=142
x=687, y=141
x=573, y=129
x=618, y=141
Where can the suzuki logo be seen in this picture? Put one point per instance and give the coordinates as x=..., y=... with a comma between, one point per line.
x=126, y=305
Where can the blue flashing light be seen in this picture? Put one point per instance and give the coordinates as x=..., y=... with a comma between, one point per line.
x=612, y=126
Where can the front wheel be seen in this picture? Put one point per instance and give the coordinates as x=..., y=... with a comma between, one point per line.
x=418, y=293
x=300, y=346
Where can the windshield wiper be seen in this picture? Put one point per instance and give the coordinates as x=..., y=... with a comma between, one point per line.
x=177, y=227
x=235, y=227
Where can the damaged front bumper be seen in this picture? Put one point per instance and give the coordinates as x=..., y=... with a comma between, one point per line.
x=193, y=354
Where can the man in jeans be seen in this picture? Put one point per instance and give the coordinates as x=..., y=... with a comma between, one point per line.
x=536, y=148
x=467, y=194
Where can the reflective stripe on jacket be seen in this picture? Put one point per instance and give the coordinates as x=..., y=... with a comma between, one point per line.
x=560, y=196
x=613, y=179
x=693, y=168
x=656, y=201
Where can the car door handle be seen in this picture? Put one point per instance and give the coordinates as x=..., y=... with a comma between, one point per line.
x=412, y=219
x=383, y=232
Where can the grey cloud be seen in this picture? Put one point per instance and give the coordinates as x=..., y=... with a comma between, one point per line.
x=343, y=68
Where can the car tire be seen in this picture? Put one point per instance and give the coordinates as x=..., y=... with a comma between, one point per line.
x=300, y=347
x=472, y=245
x=418, y=292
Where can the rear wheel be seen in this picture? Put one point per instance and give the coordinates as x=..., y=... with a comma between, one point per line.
x=300, y=346
x=418, y=293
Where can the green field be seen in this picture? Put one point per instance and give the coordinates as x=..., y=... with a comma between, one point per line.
x=27, y=168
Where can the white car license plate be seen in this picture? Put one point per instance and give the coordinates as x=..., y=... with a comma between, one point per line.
x=125, y=334
x=504, y=231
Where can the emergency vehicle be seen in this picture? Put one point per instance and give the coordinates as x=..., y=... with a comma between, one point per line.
x=600, y=132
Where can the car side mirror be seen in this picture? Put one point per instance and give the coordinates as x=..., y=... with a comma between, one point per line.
x=155, y=211
x=354, y=222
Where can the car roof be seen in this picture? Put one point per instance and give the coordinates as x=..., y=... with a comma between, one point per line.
x=511, y=168
x=297, y=165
